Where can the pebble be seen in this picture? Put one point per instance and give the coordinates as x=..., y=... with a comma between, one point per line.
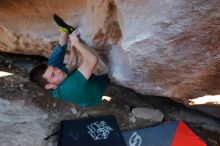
x=25, y=94
x=21, y=86
x=16, y=86
x=50, y=144
x=54, y=104
x=132, y=120
x=22, y=69
x=79, y=114
x=213, y=141
x=25, y=90
x=17, y=71
x=9, y=66
x=39, y=94
x=84, y=115
x=73, y=110
x=150, y=114
x=24, y=75
x=11, y=89
x=127, y=108
x=93, y=112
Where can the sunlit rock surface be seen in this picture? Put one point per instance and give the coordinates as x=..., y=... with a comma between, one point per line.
x=165, y=48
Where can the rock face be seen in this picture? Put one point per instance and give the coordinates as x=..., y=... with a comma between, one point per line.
x=164, y=48
x=23, y=125
x=27, y=27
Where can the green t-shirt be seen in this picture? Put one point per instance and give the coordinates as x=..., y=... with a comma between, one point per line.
x=77, y=89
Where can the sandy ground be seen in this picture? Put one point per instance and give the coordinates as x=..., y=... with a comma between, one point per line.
x=34, y=107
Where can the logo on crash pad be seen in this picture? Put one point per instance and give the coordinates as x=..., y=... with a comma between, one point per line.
x=99, y=130
x=135, y=140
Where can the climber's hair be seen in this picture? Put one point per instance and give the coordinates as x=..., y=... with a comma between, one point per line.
x=36, y=74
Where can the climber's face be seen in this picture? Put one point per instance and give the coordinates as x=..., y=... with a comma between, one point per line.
x=54, y=76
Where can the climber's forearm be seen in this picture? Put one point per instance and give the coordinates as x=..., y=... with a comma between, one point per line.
x=64, y=37
x=86, y=53
x=89, y=59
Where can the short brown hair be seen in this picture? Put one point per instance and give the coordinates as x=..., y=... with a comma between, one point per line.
x=36, y=74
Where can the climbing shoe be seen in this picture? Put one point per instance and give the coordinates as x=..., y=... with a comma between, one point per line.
x=63, y=26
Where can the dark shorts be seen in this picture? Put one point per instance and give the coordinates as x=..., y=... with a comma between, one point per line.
x=103, y=80
x=57, y=57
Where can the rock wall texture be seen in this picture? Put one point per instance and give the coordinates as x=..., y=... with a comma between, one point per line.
x=155, y=47
x=30, y=122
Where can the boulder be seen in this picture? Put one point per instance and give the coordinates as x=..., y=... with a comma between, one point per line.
x=155, y=47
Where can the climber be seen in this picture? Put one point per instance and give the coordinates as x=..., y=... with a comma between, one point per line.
x=65, y=82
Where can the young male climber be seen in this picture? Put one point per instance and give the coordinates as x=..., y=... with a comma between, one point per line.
x=79, y=86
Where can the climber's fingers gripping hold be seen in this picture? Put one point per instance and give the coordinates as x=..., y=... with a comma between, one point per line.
x=74, y=37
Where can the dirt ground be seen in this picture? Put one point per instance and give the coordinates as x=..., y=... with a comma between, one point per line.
x=17, y=87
